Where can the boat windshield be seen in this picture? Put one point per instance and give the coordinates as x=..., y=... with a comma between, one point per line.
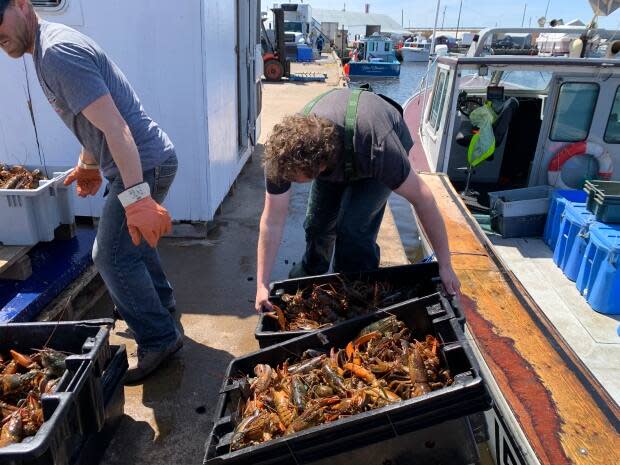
x=512, y=79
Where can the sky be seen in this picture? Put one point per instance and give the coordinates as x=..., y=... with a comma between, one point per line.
x=478, y=13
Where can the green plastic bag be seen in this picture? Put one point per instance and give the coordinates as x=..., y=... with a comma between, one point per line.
x=482, y=144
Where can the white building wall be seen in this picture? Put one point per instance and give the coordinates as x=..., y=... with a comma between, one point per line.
x=179, y=57
x=221, y=85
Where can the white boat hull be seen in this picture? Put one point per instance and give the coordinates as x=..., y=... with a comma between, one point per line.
x=416, y=55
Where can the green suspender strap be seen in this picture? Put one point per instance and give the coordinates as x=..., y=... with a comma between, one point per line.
x=310, y=105
x=350, y=121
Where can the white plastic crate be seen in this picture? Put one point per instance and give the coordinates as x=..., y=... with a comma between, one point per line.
x=29, y=216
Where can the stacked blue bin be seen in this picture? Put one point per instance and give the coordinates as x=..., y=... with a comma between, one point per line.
x=598, y=279
x=573, y=238
x=559, y=199
x=587, y=251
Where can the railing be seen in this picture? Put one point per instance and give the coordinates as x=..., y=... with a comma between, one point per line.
x=316, y=26
x=488, y=33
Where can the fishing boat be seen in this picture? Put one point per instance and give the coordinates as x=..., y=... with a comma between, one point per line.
x=417, y=51
x=550, y=359
x=374, y=57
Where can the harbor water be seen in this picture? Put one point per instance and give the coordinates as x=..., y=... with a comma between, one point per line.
x=400, y=89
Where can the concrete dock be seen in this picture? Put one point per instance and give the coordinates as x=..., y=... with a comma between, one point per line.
x=169, y=417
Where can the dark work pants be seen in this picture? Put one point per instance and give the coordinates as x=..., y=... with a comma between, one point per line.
x=347, y=217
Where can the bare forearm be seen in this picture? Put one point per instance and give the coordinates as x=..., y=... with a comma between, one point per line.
x=433, y=224
x=269, y=240
x=417, y=192
x=125, y=155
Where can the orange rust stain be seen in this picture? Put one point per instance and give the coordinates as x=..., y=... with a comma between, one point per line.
x=526, y=387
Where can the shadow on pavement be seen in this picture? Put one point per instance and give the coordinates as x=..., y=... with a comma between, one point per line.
x=181, y=397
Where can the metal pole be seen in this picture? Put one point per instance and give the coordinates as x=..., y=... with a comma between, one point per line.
x=547, y=9
x=402, y=18
x=458, y=21
x=443, y=19
x=523, y=19
x=435, y=27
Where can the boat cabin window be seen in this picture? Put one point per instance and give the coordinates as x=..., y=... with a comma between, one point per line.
x=512, y=79
x=533, y=80
x=387, y=46
x=439, y=98
x=574, y=111
x=612, y=132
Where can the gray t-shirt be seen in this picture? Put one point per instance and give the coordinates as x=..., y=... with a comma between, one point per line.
x=74, y=72
x=381, y=141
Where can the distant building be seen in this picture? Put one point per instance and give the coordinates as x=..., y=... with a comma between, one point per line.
x=355, y=22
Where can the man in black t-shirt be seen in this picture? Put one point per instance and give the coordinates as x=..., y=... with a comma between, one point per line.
x=352, y=180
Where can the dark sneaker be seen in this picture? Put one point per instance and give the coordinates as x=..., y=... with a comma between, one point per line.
x=147, y=362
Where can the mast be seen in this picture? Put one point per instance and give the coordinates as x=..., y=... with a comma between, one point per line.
x=435, y=27
x=458, y=22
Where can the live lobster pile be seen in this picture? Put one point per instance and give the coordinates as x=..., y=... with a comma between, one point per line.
x=19, y=177
x=322, y=305
x=383, y=365
x=23, y=379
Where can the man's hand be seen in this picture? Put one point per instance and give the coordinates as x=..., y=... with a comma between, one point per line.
x=450, y=281
x=88, y=179
x=262, y=299
x=145, y=217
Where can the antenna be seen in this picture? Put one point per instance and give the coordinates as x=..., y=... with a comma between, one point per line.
x=458, y=21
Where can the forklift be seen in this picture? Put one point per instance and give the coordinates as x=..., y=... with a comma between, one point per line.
x=275, y=64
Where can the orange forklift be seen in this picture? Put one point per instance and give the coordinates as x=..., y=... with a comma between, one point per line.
x=276, y=65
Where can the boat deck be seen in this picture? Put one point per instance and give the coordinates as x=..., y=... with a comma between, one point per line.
x=548, y=397
x=591, y=335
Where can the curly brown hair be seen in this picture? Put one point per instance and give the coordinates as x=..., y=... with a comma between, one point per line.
x=300, y=145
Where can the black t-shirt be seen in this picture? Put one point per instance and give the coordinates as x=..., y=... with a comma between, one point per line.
x=381, y=141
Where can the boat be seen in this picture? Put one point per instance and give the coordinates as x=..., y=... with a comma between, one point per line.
x=374, y=56
x=550, y=360
x=418, y=51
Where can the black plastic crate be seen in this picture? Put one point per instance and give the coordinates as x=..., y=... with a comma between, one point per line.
x=88, y=340
x=78, y=406
x=89, y=449
x=430, y=315
x=606, y=211
x=425, y=275
x=519, y=226
x=601, y=192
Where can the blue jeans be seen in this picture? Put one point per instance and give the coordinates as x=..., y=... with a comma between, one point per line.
x=346, y=217
x=134, y=275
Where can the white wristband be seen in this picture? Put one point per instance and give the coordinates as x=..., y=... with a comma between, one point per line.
x=87, y=166
x=134, y=194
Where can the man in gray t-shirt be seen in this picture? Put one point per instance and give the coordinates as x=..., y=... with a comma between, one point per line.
x=94, y=99
x=353, y=168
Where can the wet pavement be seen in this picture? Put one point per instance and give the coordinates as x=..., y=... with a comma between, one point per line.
x=168, y=418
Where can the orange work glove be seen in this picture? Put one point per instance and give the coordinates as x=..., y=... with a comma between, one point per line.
x=88, y=179
x=145, y=217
